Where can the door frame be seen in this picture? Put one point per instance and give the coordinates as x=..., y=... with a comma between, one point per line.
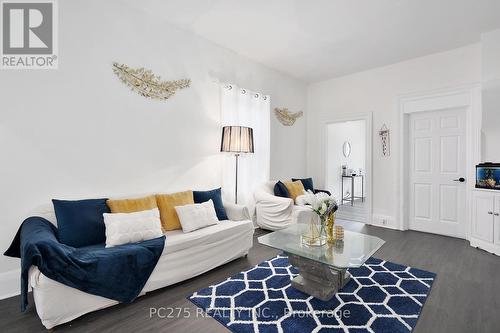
x=465, y=96
x=368, y=118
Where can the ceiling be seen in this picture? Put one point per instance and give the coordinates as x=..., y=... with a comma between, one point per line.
x=315, y=40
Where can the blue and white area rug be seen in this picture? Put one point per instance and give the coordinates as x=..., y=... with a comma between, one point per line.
x=381, y=297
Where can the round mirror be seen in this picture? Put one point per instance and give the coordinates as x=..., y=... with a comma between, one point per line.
x=346, y=148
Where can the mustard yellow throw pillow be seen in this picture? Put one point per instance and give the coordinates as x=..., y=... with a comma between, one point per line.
x=131, y=205
x=295, y=188
x=167, y=203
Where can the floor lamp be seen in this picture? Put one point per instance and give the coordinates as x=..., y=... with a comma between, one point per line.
x=237, y=140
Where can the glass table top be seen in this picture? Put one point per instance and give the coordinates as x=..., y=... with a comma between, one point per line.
x=352, y=252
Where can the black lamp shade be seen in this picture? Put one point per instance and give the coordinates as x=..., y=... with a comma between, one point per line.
x=237, y=139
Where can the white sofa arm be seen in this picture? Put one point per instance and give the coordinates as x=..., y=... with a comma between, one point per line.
x=236, y=212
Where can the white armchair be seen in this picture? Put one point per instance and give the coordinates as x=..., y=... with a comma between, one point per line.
x=275, y=213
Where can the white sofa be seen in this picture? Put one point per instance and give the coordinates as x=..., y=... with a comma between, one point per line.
x=185, y=255
x=275, y=213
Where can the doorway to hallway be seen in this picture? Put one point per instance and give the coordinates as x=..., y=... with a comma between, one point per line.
x=346, y=168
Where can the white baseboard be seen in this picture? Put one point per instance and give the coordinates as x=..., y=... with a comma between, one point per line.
x=487, y=246
x=10, y=283
x=384, y=221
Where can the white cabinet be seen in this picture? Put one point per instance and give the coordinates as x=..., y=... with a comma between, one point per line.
x=483, y=218
x=496, y=215
x=485, y=227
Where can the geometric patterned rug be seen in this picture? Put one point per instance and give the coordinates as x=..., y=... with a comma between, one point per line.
x=381, y=297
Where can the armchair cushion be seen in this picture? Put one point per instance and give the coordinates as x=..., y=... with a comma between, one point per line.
x=295, y=189
x=324, y=191
x=307, y=182
x=280, y=190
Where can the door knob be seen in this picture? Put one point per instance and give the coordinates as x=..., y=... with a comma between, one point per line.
x=461, y=179
x=490, y=213
x=496, y=214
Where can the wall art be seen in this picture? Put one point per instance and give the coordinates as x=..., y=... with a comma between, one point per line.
x=147, y=84
x=385, y=139
x=286, y=117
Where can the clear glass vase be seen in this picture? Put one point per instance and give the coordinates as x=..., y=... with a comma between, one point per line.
x=315, y=234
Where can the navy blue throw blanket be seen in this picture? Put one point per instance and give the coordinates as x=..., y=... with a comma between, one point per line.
x=118, y=272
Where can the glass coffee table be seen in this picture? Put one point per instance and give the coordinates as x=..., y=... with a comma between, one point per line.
x=322, y=270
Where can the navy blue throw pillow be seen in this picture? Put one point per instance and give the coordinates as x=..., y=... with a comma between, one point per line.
x=280, y=190
x=216, y=196
x=307, y=183
x=81, y=222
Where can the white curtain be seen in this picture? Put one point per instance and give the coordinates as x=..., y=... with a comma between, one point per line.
x=241, y=107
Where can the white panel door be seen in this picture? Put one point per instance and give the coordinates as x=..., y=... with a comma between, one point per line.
x=437, y=162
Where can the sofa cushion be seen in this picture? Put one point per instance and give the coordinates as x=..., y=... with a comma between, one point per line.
x=280, y=190
x=197, y=216
x=125, y=228
x=306, y=182
x=167, y=203
x=295, y=189
x=216, y=197
x=80, y=222
x=177, y=240
x=132, y=205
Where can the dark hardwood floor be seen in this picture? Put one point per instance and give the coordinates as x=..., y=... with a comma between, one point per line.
x=465, y=296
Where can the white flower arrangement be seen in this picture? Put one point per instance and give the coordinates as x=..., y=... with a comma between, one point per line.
x=321, y=203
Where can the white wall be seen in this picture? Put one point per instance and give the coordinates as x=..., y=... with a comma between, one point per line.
x=490, y=43
x=377, y=91
x=355, y=133
x=78, y=131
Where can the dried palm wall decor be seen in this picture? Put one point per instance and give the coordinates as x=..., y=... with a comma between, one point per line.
x=147, y=84
x=286, y=117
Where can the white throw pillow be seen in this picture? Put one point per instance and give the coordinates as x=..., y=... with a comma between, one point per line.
x=197, y=216
x=124, y=228
x=301, y=200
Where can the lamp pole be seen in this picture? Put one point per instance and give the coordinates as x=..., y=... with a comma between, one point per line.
x=236, y=183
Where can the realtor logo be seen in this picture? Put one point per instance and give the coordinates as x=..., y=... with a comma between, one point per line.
x=29, y=35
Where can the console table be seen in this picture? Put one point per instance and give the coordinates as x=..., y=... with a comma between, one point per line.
x=351, y=199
